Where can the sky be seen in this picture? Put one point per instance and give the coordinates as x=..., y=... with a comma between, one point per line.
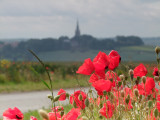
x=99, y=18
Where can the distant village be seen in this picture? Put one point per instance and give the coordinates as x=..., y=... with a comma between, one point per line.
x=79, y=42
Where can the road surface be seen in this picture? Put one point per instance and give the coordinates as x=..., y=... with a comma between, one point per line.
x=29, y=100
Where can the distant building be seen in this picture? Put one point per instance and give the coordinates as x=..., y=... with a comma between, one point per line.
x=77, y=31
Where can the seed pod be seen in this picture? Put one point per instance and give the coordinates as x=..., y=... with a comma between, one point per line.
x=56, y=98
x=157, y=49
x=156, y=78
x=144, y=79
x=136, y=92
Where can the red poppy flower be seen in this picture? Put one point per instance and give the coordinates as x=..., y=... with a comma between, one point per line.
x=33, y=118
x=115, y=59
x=107, y=110
x=62, y=94
x=101, y=61
x=75, y=97
x=140, y=88
x=53, y=116
x=102, y=85
x=87, y=68
x=155, y=72
x=72, y=114
x=12, y=114
x=93, y=78
x=149, y=85
x=140, y=71
x=100, y=74
x=57, y=109
x=113, y=77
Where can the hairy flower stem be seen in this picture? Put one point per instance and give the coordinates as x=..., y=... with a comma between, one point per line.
x=51, y=86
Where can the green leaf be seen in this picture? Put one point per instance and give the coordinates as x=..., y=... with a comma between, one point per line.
x=36, y=73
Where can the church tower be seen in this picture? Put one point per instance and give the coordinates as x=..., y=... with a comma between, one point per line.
x=77, y=31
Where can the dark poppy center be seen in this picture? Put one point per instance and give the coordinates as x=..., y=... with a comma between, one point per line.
x=120, y=59
x=18, y=117
x=106, y=67
x=156, y=73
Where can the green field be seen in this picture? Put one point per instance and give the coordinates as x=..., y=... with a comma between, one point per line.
x=133, y=53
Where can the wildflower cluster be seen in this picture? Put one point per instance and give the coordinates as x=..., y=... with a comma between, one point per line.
x=128, y=97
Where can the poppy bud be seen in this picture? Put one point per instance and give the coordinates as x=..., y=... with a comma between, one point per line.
x=112, y=95
x=56, y=98
x=100, y=117
x=100, y=105
x=67, y=95
x=124, y=83
x=104, y=92
x=121, y=77
x=140, y=97
x=119, y=83
x=127, y=100
x=133, y=102
x=49, y=96
x=156, y=78
x=137, y=82
x=131, y=72
x=90, y=91
x=128, y=96
x=80, y=97
x=91, y=107
x=43, y=114
x=157, y=49
x=126, y=77
x=86, y=102
x=155, y=112
x=62, y=113
x=144, y=79
x=150, y=103
x=136, y=92
x=74, y=104
x=122, y=93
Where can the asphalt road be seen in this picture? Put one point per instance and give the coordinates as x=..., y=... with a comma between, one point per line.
x=29, y=100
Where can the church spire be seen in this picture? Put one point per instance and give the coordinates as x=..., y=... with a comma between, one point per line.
x=77, y=32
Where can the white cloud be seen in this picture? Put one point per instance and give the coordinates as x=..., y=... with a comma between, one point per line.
x=101, y=18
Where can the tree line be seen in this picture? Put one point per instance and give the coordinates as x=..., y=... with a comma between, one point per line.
x=81, y=43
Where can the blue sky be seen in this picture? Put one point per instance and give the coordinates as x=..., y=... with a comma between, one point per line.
x=100, y=18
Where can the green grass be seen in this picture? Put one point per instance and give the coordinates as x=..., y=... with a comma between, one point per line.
x=37, y=86
x=139, y=48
